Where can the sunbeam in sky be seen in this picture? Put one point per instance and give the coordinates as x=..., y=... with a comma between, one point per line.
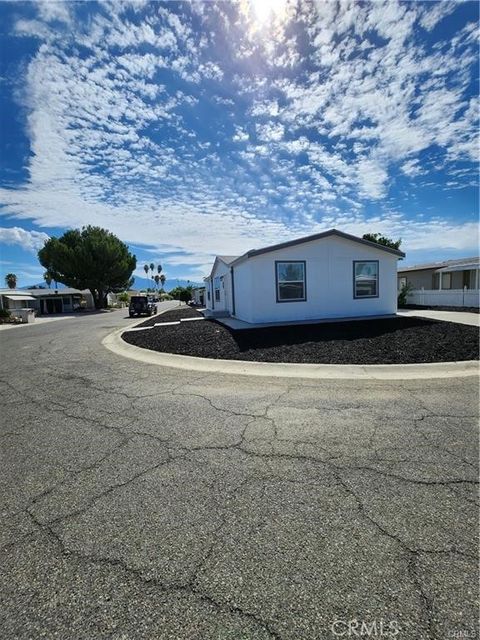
x=267, y=10
x=190, y=129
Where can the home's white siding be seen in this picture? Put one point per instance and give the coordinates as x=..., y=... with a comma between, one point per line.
x=208, y=293
x=222, y=271
x=243, y=284
x=329, y=283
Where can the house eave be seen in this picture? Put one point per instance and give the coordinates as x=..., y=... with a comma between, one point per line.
x=317, y=236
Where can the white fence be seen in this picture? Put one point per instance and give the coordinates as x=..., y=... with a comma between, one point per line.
x=445, y=297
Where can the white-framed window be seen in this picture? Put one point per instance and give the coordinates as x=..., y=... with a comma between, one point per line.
x=216, y=287
x=291, y=281
x=365, y=278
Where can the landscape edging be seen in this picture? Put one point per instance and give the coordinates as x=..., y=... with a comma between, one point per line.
x=114, y=343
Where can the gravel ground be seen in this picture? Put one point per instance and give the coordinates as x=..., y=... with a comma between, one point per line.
x=389, y=341
x=171, y=316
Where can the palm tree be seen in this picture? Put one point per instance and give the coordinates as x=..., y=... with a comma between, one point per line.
x=152, y=267
x=145, y=268
x=159, y=269
x=157, y=279
x=11, y=280
x=162, y=279
x=48, y=278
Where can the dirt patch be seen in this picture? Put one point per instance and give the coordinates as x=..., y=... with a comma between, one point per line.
x=388, y=341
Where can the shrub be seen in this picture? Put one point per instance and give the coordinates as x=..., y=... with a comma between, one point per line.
x=123, y=297
x=165, y=296
x=4, y=313
x=403, y=293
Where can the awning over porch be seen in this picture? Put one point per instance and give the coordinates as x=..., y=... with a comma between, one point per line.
x=459, y=267
x=20, y=297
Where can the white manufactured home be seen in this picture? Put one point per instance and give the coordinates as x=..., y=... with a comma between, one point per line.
x=326, y=275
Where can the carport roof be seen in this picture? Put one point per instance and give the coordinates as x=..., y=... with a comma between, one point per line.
x=466, y=266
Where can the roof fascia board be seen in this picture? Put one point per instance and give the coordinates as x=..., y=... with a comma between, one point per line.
x=312, y=238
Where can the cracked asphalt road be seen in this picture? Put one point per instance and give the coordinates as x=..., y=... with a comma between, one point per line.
x=141, y=502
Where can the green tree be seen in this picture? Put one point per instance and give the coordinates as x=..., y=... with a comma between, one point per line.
x=379, y=239
x=157, y=279
x=182, y=293
x=145, y=268
x=90, y=258
x=152, y=267
x=162, y=280
x=11, y=280
x=47, y=276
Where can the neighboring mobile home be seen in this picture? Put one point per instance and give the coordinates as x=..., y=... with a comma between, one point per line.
x=451, y=283
x=198, y=296
x=326, y=275
x=46, y=301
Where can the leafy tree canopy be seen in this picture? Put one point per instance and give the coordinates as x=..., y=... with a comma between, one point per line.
x=182, y=293
x=90, y=258
x=379, y=239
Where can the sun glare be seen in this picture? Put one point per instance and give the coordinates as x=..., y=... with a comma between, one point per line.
x=265, y=10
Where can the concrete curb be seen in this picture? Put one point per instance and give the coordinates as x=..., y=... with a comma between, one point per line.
x=114, y=343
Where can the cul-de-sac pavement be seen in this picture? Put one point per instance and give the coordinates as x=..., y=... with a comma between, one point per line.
x=141, y=502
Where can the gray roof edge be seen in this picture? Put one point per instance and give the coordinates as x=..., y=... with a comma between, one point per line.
x=65, y=291
x=317, y=236
x=227, y=259
x=221, y=259
x=441, y=263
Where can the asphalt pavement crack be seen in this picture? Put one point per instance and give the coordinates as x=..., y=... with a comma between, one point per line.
x=137, y=574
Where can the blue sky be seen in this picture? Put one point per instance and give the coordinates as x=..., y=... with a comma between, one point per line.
x=191, y=129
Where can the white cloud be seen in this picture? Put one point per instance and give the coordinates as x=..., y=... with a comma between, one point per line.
x=436, y=12
x=272, y=132
x=411, y=168
x=28, y=240
x=240, y=135
x=115, y=139
x=50, y=10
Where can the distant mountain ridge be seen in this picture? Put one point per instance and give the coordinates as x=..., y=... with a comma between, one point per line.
x=144, y=283
x=43, y=285
x=138, y=284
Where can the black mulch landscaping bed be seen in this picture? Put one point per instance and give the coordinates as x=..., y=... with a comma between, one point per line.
x=172, y=316
x=389, y=341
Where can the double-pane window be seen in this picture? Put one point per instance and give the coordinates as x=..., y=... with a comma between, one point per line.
x=291, y=281
x=365, y=278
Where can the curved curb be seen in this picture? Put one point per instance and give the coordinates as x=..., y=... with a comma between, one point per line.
x=114, y=343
